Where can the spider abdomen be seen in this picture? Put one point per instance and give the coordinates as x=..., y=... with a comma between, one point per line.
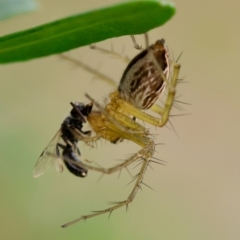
x=142, y=82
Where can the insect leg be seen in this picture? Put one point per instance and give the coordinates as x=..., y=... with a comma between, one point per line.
x=83, y=137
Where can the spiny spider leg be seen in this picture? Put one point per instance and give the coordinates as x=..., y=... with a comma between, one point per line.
x=136, y=45
x=140, y=176
x=118, y=55
x=164, y=112
x=90, y=70
x=135, y=157
x=111, y=52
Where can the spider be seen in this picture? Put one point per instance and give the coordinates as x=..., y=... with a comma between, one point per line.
x=141, y=85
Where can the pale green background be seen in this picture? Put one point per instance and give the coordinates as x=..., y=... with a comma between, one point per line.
x=197, y=194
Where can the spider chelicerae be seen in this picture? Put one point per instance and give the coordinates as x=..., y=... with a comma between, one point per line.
x=142, y=83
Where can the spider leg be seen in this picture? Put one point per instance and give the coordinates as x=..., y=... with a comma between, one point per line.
x=96, y=73
x=91, y=70
x=164, y=112
x=121, y=56
x=136, y=45
x=146, y=159
x=111, y=52
x=145, y=151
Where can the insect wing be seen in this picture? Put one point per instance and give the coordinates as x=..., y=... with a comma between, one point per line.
x=46, y=159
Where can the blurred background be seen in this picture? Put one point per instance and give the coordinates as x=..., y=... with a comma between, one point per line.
x=196, y=195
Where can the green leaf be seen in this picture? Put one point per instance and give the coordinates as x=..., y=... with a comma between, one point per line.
x=129, y=18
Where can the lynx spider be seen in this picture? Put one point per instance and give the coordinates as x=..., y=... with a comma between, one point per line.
x=113, y=122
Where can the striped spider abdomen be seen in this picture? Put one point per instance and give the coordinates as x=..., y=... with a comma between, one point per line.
x=142, y=83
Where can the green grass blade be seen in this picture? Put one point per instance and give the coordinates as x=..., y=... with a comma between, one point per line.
x=129, y=18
